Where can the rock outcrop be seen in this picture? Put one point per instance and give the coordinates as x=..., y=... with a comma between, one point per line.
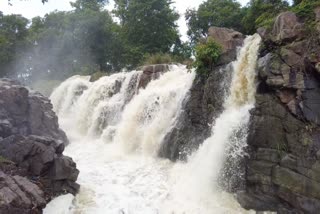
x=282, y=170
x=32, y=166
x=229, y=40
x=204, y=100
x=27, y=113
x=151, y=72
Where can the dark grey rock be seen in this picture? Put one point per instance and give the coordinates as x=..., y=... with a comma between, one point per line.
x=19, y=195
x=27, y=113
x=199, y=108
x=33, y=169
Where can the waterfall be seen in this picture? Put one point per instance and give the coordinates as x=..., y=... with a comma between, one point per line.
x=93, y=106
x=116, y=129
x=201, y=173
x=66, y=95
x=153, y=111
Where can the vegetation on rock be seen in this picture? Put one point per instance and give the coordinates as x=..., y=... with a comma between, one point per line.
x=206, y=55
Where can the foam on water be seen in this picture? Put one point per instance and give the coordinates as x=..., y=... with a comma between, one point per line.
x=119, y=170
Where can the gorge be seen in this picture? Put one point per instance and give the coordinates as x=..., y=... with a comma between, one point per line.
x=163, y=139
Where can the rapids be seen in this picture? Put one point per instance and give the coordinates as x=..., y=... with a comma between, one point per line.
x=115, y=130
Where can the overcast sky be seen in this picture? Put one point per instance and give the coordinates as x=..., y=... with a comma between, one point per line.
x=32, y=8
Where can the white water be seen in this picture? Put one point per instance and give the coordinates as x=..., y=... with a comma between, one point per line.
x=116, y=144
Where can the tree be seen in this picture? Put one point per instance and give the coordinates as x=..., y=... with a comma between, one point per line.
x=95, y=5
x=148, y=26
x=259, y=13
x=13, y=33
x=219, y=13
x=62, y=44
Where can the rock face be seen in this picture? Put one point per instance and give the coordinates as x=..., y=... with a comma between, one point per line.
x=287, y=27
x=282, y=171
x=229, y=41
x=32, y=166
x=26, y=112
x=204, y=101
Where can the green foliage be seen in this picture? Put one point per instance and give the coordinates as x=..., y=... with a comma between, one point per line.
x=305, y=9
x=206, y=54
x=219, y=13
x=148, y=26
x=261, y=13
x=66, y=43
x=95, y=5
x=13, y=33
x=158, y=58
x=182, y=51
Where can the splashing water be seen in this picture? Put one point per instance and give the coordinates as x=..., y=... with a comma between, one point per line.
x=119, y=172
x=201, y=173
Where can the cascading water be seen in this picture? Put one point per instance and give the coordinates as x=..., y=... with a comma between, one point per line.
x=119, y=170
x=201, y=173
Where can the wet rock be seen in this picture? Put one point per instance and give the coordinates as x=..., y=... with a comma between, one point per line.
x=199, y=108
x=259, y=202
x=64, y=169
x=151, y=72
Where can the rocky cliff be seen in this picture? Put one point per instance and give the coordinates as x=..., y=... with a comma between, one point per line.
x=283, y=166
x=282, y=169
x=33, y=168
x=205, y=100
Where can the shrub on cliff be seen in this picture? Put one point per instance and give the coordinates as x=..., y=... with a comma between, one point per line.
x=206, y=56
x=158, y=58
x=305, y=9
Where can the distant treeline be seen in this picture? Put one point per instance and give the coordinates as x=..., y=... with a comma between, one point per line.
x=89, y=38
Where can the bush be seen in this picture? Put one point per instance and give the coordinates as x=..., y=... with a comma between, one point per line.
x=158, y=58
x=206, y=56
x=305, y=9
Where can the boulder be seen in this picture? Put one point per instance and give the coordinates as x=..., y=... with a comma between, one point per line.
x=41, y=157
x=33, y=168
x=229, y=40
x=287, y=28
x=26, y=112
